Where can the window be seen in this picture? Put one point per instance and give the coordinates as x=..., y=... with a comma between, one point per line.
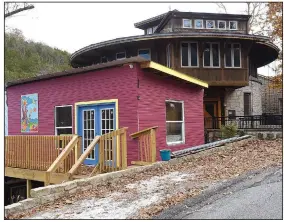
x=233, y=55
x=63, y=120
x=210, y=24
x=187, y=23
x=189, y=54
x=154, y=28
x=168, y=53
x=146, y=53
x=198, y=23
x=175, y=122
x=233, y=25
x=120, y=55
x=221, y=24
x=149, y=31
x=211, y=55
x=247, y=104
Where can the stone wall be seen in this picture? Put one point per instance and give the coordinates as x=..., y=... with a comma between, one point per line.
x=234, y=100
x=272, y=99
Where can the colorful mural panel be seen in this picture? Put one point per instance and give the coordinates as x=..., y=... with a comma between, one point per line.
x=29, y=113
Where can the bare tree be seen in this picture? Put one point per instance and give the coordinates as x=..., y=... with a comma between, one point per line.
x=257, y=10
x=12, y=8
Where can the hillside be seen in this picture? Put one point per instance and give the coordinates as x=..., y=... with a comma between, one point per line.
x=24, y=58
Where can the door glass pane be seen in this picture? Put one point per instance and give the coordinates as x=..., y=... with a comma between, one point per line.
x=184, y=54
x=88, y=130
x=107, y=127
x=206, y=55
x=215, y=51
x=193, y=54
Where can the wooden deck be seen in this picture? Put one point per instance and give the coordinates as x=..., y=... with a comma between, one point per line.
x=54, y=159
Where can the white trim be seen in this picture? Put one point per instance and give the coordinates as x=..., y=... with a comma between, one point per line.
x=236, y=25
x=121, y=53
x=214, y=27
x=219, y=22
x=63, y=127
x=211, y=56
x=149, y=49
x=185, y=26
x=189, y=54
x=183, y=122
x=232, y=56
x=195, y=23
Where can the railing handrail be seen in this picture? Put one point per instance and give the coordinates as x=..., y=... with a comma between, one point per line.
x=137, y=134
x=63, y=154
x=84, y=155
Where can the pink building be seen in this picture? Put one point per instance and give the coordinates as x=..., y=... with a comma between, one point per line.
x=133, y=92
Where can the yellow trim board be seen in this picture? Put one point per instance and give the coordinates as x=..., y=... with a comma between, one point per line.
x=172, y=72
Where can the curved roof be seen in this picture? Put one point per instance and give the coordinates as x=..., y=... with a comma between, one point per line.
x=263, y=40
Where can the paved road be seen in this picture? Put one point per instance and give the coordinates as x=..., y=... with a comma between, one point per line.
x=253, y=196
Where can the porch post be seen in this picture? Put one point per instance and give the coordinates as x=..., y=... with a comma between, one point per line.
x=29, y=187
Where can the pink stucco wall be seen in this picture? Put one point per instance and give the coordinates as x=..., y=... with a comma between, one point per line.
x=115, y=83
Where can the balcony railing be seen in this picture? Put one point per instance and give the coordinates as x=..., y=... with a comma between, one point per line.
x=261, y=122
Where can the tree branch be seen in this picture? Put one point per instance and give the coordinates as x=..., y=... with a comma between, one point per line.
x=18, y=10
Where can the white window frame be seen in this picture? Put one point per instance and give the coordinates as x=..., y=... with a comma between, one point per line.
x=144, y=49
x=185, y=26
x=121, y=53
x=222, y=21
x=195, y=24
x=211, y=21
x=168, y=55
x=183, y=123
x=63, y=127
x=232, y=56
x=211, y=56
x=236, y=25
x=189, y=55
x=148, y=29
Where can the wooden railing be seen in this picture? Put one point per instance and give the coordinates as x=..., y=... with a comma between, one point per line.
x=65, y=160
x=146, y=146
x=112, y=153
x=38, y=152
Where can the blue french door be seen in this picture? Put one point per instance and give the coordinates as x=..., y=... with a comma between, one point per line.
x=95, y=120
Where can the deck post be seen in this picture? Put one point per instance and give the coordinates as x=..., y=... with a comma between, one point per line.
x=124, y=150
x=47, y=179
x=29, y=187
x=153, y=145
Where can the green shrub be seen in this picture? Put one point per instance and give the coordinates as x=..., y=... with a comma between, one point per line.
x=229, y=130
x=241, y=132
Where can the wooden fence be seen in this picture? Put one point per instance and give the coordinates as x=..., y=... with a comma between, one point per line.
x=146, y=146
x=39, y=152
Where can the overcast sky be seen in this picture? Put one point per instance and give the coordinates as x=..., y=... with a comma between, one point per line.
x=71, y=26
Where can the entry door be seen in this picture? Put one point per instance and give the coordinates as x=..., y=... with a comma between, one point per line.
x=94, y=120
x=210, y=111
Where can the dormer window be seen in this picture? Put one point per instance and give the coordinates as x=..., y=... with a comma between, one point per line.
x=146, y=53
x=187, y=23
x=233, y=25
x=222, y=25
x=198, y=23
x=210, y=24
x=120, y=55
x=149, y=31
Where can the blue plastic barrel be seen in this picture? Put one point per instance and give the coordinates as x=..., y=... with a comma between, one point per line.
x=165, y=155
